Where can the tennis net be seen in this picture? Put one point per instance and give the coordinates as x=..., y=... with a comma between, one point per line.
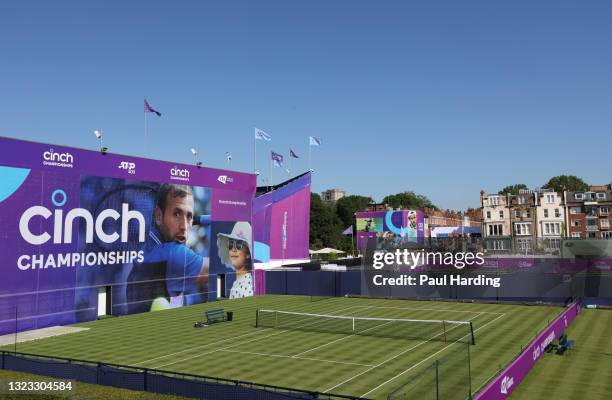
x=397, y=328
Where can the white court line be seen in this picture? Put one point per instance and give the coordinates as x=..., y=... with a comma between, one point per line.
x=435, y=309
x=229, y=347
x=422, y=361
x=337, y=340
x=213, y=343
x=395, y=356
x=301, y=358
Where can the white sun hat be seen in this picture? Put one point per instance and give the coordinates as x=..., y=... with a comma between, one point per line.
x=241, y=231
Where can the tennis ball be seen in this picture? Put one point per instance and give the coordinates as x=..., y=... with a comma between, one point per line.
x=160, y=303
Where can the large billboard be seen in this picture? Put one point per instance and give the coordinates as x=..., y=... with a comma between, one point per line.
x=82, y=228
x=388, y=230
x=282, y=222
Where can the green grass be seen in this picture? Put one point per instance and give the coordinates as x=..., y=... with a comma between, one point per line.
x=584, y=372
x=355, y=365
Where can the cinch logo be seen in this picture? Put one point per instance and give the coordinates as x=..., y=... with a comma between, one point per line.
x=51, y=157
x=506, y=384
x=225, y=179
x=130, y=167
x=62, y=226
x=179, y=174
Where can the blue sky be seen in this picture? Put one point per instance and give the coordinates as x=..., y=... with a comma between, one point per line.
x=444, y=98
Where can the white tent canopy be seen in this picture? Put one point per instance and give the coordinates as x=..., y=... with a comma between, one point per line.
x=327, y=250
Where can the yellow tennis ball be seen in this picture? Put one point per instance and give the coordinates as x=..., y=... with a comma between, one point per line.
x=160, y=303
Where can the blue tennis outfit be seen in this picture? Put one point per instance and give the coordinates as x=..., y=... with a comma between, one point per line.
x=169, y=269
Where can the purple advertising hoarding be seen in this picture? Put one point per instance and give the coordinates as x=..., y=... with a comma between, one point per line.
x=504, y=384
x=282, y=222
x=81, y=226
x=385, y=230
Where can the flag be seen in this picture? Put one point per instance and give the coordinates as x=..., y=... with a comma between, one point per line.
x=348, y=231
x=292, y=154
x=148, y=108
x=261, y=135
x=278, y=159
x=315, y=141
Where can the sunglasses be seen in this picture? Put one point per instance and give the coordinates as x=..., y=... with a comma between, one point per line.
x=235, y=244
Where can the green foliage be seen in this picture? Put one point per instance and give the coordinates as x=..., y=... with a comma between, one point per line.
x=347, y=206
x=408, y=200
x=513, y=189
x=567, y=182
x=325, y=226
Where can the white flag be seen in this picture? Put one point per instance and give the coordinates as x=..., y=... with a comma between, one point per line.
x=261, y=135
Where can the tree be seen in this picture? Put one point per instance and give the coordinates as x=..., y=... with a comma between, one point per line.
x=570, y=183
x=409, y=200
x=347, y=206
x=513, y=189
x=325, y=226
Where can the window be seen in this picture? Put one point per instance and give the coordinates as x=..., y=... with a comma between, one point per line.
x=522, y=229
x=524, y=244
x=488, y=214
x=526, y=214
x=522, y=200
x=576, y=222
x=591, y=235
x=501, y=214
x=605, y=223
x=494, y=200
x=517, y=214
x=576, y=235
x=545, y=213
x=554, y=244
x=575, y=210
x=550, y=198
x=496, y=245
x=552, y=228
x=604, y=210
x=601, y=196
x=496, y=230
x=606, y=235
x=557, y=213
x=579, y=196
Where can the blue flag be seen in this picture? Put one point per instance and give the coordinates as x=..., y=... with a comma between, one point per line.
x=315, y=141
x=261, y=135
x=292, y=154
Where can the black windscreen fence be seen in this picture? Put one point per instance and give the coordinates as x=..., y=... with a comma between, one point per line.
x=157, y=381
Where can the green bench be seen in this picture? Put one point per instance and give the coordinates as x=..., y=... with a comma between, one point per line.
x=216, y=315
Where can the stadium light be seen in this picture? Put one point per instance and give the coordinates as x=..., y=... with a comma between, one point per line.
x=228, y=157
x=98, y=133
x=195, y=154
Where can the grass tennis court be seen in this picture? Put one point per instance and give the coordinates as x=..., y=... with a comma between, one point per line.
x=358, y=365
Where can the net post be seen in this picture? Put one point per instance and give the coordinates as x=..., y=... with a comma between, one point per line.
x=469, y=372
x=437, y=382
x=353, y=324
x=257, y=318
x=444, y=329
x=472, y=333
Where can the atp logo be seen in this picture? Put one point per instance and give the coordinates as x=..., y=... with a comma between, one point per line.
x=130, y=167
x=225, y=179
x=506, y=384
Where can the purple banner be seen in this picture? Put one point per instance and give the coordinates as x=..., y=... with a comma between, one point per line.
x=505, y=383
x=82, y=228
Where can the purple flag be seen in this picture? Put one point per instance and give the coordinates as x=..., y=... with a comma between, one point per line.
x=292, y=154
x=278, y=159
x=148, y=108
x=348, y=231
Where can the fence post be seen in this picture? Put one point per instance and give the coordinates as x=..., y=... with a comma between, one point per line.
x=437, y=380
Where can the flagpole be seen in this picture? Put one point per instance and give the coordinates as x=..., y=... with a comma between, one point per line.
x=145, y=132
x=254, y=154
x=271, y=171
x=309, y=151
x=353, y=242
